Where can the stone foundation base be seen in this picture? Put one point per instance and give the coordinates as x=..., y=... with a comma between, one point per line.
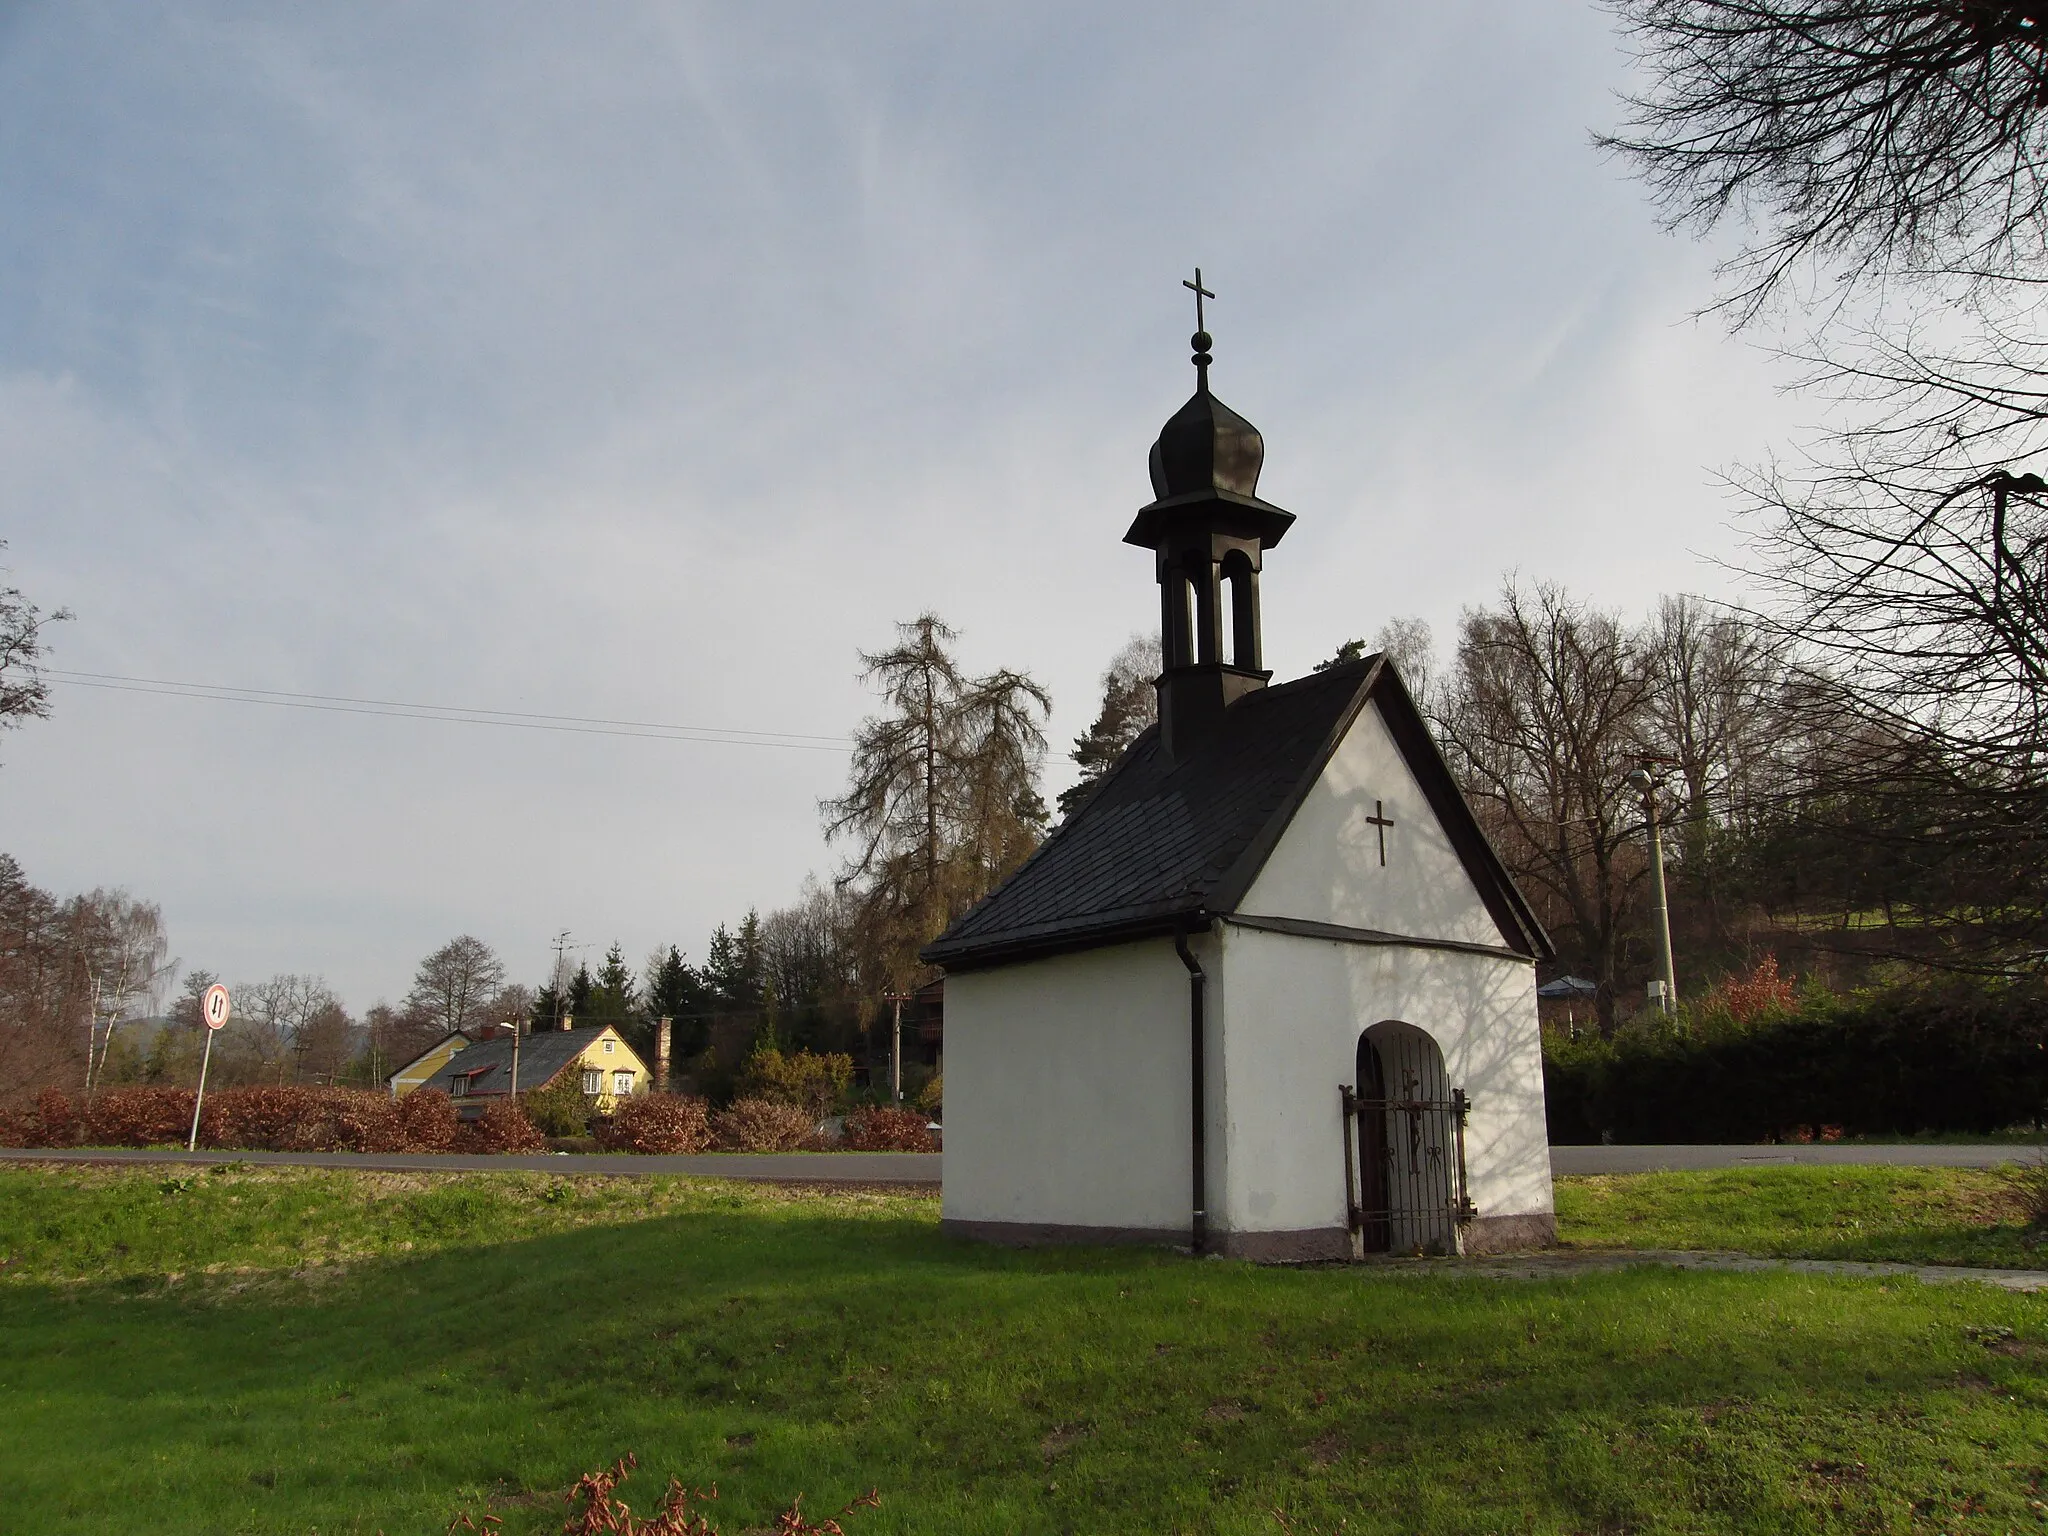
x=1038, y=1234
x=1311, y=1245
x=1510, y=1234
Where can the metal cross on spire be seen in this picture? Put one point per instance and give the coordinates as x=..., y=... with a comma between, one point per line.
x=1201, y=293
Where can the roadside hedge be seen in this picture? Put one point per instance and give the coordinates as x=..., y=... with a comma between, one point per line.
x=1886, y=1063
x=269, y=1119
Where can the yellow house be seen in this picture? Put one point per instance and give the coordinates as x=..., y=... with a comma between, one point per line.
x=594, y=1057
x=414, y=1073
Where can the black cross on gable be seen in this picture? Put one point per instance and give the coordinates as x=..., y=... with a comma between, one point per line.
x=1379, y=818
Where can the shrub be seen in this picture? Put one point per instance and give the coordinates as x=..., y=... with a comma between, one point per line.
x=1890, y=1062
x=426, y=1121
x=931, y=1097
x=810, y=1081
x=1762, y=992
x=138, y=1117
x=57, y=1124
x=762, y=1125
x=502, y=1127
x=886, y=1129
x=559, y=1108
x=656, y=1123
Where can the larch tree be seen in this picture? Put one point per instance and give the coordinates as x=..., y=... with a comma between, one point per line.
x=943, y=795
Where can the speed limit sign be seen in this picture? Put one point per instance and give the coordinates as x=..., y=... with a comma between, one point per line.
x=213, y=1007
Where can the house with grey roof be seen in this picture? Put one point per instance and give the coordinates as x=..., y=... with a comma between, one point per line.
x=594, y=1057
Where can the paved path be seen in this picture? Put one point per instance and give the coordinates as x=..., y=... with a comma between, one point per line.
x=1559, y=1266
x=912, y=1168
x=924, y=1167
x=1566, y=1160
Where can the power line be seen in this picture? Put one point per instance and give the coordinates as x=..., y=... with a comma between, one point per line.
x=457, y=714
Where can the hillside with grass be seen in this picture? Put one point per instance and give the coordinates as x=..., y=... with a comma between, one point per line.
x=290, y=1351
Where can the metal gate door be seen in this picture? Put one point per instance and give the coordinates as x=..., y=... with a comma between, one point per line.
x=1404, y=1171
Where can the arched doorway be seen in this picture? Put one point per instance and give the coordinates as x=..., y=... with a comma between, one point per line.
x=1409, y=1181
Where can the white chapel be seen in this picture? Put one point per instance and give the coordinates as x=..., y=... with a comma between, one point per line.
x=1268, y=992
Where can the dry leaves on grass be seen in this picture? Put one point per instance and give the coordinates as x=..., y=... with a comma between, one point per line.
x=603, y=1513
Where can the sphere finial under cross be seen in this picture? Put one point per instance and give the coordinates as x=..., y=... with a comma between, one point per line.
x=1201, y=341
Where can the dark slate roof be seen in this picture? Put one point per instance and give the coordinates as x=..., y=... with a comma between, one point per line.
x=542, y=1056
x=1164, y=846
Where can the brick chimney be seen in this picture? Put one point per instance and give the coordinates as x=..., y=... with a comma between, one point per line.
x=661, y=1033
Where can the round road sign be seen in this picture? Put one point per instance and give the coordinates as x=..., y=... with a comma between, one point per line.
x=213, y=1007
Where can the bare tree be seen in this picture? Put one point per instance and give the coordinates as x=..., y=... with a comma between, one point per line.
x=1882, y=137
x=23, y=693
x=121, y=947
x=1542, y=719
x=268, y=1036
x=45, y=1001
x=455, y=985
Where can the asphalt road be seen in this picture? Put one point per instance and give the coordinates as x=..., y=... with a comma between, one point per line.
x=791, y=1167
x=923, y=1168
x=1565, y=1160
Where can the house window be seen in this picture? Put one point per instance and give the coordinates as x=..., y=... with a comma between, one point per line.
x=458, y=1087
x=622, y=1084
x=607, y=1047
x=593, y=1081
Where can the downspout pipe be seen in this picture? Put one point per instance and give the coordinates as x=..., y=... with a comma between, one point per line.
x=1198, y=987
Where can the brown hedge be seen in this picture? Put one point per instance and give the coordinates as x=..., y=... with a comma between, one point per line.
x=660, y=1123
x=763, y=1125
x=885, y=1129
x=270, y=1118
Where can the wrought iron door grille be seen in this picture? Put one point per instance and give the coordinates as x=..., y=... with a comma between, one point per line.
x=1404, y=1173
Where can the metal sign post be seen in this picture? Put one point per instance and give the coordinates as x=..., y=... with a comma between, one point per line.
x=213, y=1008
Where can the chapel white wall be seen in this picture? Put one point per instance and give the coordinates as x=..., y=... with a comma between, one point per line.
x=1286, y=1035
x=1326, y=867
x=1067, y=1091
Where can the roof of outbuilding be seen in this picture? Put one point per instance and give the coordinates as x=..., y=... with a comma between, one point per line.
x=542, y=1056
x=1162, y=846
x=453, y=1034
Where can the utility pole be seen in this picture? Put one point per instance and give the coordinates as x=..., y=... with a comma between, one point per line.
x=514, y=1022
x=1667, y=987
x=562, y=947
x=898, y=999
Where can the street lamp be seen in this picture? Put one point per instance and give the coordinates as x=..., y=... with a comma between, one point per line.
x=1667, y=988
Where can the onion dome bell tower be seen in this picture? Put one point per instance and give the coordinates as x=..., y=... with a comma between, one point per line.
x=1208, y=530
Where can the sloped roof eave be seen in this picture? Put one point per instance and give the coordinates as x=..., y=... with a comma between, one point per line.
x=1216, y=882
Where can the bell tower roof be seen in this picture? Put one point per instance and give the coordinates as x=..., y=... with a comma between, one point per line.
x=1206, y=464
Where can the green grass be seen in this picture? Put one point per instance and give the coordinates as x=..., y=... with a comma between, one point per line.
x=1974, y=1216
x=354, y=1353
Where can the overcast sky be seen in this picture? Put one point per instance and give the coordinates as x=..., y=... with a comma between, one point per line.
x=645, y=361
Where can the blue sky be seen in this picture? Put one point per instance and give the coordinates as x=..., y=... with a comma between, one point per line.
x=648, y=360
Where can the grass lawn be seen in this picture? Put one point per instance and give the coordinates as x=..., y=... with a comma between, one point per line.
x=294, y=1351
x=1908, y=1215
